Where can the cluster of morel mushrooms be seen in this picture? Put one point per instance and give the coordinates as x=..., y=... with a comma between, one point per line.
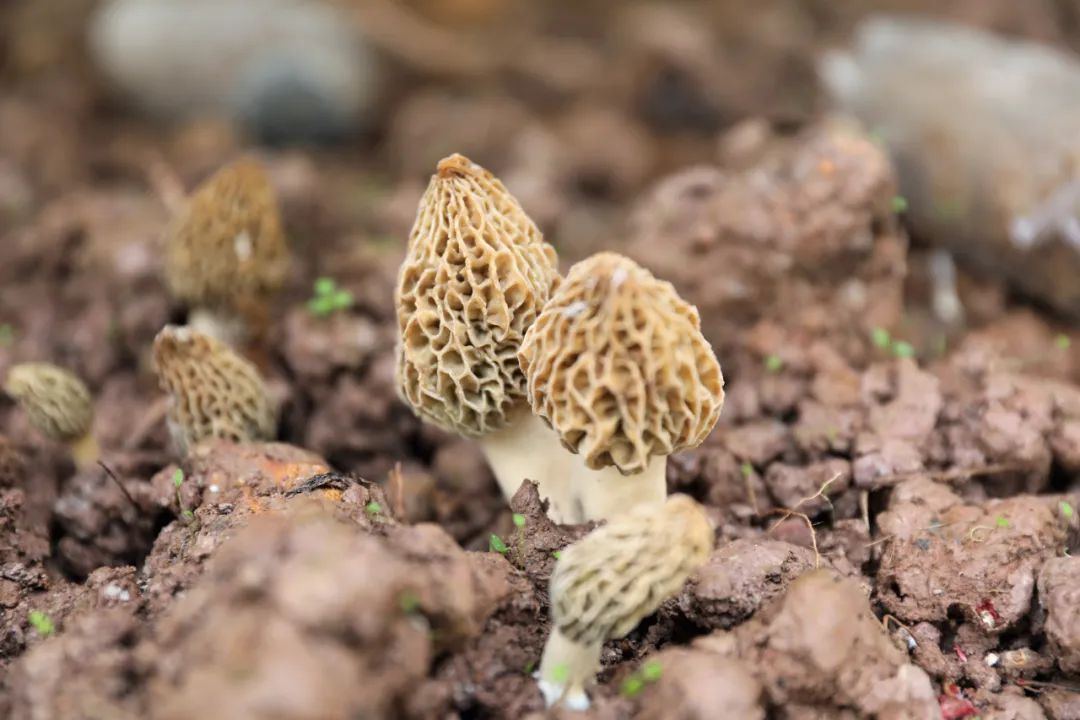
x=583, y=384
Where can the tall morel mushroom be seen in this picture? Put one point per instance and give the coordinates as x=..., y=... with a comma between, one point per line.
x=617, y=364
x=476, y=275
x=226, y=255
x=58, y=404
x=606, y=583
x=213, y=392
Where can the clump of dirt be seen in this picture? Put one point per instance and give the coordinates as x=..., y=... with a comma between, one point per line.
x=1059, y=595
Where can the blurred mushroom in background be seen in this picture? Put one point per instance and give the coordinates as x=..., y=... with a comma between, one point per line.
x=287, y=71
x=984, y=134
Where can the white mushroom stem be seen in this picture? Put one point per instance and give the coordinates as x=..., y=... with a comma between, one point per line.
x=218, y=325
x=527, y=449
x=602, y=494
x=566, y=669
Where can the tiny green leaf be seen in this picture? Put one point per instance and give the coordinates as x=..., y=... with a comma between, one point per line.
x=343, y=299
x=7, y=334
x=652, y=670
x=1067, y=511
x=880, y=337
x=899, y=203
x=408, y=602
x=560, y=673
x=373, y=508
x=1002, y=521
x=41, y=622
x=773, y=363
x=632, y=685
x=496, y=544
x=746, y=469
x=188, y=514
x=325, y=286
x=519, y=520
x=1063, y=342
x=557, y=554
x=178, y=477
x=903, y=349
x=529, y=667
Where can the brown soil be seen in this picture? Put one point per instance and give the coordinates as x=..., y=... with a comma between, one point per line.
x=894, y=533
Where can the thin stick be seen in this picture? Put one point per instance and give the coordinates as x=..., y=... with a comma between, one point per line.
x=397, y=490
x=793, y=512
x=112, y=476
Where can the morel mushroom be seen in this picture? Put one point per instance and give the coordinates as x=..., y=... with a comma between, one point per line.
x=617, y=365
x=475, y=277
x=58, y=404
x=213, y=392
x=606, y=583
x=226, y=255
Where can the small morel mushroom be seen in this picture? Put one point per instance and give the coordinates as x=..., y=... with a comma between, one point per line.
x=606, y=583
x=59, y=405
x=226, y=255
x=475, y=277
x=617, y=364
x=213, y=392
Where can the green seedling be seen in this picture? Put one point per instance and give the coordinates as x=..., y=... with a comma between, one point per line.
x=529, y=667
x=1063, y=342
x=496, y=544
x=519, y=520
x=42, y=623
x=649, y=673
x=557, y=554
x=899, y=203
x=774, y=363
x=177, y=481
x=746, y=469
x=881, y=337
x=7, y=334
x=408, y=602
x=903, y=349
x=1067, y=511
x=373, y=508
x=328, y=298
x=1002, y=521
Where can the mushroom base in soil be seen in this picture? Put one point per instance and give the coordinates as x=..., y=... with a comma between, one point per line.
x=566, y=669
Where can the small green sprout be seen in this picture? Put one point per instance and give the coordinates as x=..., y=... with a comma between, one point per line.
x=519, y=520
x=1002, y=521
x=632, y=685
x=328, y=298
x=529, y=667
x=177, y=481
x=557, y=554
x=773, y=363
x=496, y=544
x=188, y=515
x=746, y=469
x=903, y=349
x=1063, y=342
x=373, y=508
x=652, y=671
x=7, y=334
x=880, y=337
x=1067, y=511
x=178, y=478
x=42, y=623
x=899, y=203
x=560, y=673
x=408, y=602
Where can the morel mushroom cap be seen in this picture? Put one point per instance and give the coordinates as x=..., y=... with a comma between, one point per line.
x=213, y=392
x=475, y=277
x=226, y=251
x=58, y=403
x=617, y=364
x=607, y=582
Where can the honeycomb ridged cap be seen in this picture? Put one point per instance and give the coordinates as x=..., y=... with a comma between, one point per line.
x=226, y=249
x=606, y=583
x=213, y=392
x=617, y=365
x=57, y=402
x=476, y=275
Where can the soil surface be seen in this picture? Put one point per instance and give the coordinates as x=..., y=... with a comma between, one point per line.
x=896, y=495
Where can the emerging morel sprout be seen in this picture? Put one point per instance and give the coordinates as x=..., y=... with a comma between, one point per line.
x=58, y=404
x=475, y=277
x=226, y=255
x=617, y=364
x=213, y=392
x=607, y=582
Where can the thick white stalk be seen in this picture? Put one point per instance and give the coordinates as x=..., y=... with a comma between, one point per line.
x=566, y=669
x=603, y=494
x=527, y=449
